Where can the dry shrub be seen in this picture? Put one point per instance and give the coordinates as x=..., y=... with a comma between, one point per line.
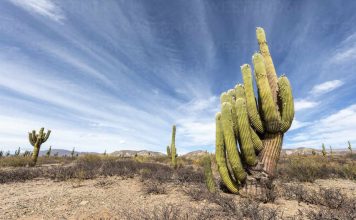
x=15, y=161
x=229, y=209
x=310, y=168
x=153, y=187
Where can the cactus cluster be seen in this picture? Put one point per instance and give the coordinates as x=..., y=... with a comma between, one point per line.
x=36, y=141
x=249, y=131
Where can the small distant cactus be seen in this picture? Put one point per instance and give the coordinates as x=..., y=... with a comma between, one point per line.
x=173, y=147
x=169, y=154
x=208, y=174
x=48, y=153
x=1, y=153
x=349, y=147
x=73, y=152
x=17, y=152
x=323, y=151
x=36, y=141
x=313, y=152
x=27, y=153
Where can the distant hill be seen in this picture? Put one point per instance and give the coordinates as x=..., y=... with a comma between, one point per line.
x=308, y=151
x=132, y=153
x=62, y=152
x=194, y=154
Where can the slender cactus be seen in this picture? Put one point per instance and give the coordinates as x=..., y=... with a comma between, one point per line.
x=323, y=151
x=173, y=148
x=73, y=152
x=249, y=133
x=48, y=154
x=349, y=147
x=208, y=174
x=36, y=141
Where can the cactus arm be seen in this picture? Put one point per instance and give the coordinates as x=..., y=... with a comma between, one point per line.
x=257, y=143
x=246, y=144
x=230, y=142
x=208, y=174
x=46, y=136
x=232, y=98
x=221, y=157
x=286, y=103
x=250, y=99
x=270, y=113
x=31, y=139
x=271, y=71
x=40, y=133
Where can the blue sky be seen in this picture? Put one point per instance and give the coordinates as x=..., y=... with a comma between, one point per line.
x=112, y=75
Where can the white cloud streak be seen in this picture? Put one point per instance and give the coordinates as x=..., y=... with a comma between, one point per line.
x=302, y=104
x=326, y=87
x=45, y=8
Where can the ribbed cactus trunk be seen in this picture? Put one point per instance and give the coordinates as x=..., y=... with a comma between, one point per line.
x=173, y=147
x=271, y=152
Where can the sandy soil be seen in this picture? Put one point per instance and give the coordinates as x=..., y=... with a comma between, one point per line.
x=111, y=198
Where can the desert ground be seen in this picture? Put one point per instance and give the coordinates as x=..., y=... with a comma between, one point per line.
x=97, y=187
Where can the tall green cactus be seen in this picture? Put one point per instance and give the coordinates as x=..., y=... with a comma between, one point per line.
x=208, y=174
x=36, y=141
x=249, y=133
x=323, y=151
x=173, y=147
x=349, y=147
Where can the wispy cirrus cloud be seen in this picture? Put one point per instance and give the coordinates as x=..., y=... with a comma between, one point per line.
x=326, y=87
x=47, y=8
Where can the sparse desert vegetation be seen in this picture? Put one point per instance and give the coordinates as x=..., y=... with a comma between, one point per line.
x=148, y=187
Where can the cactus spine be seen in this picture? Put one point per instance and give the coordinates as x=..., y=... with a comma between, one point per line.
x=256, y=143
x=36, y=141
x=323, y=151
x=349, y=147
x=208, y=174
x=173, y=147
